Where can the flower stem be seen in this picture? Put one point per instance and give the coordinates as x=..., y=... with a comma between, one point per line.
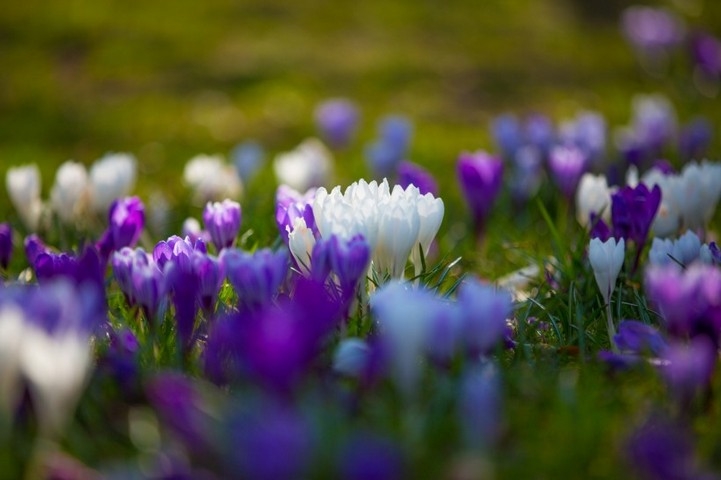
x=611, y=328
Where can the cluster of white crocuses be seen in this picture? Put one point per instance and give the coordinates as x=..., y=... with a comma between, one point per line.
x=688, y=198
x=393, y=222
x=75, y=192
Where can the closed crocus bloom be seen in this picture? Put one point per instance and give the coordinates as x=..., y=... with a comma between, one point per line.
x=111, y=177
x=699, y=194
x=148, y=286
x=211, y=179
x=309, y=165
x=6, y=244
x=410, y=173
x=567, y=164
x=222, y=221
x=593, y=196
x=69, y=195
x=337, y=120
x=430, y=213
x=300, y=243
x=668, y=217
x=398, y=227
x=606, y=260
x=480, y=177
x=255, y=277
x=23, y=187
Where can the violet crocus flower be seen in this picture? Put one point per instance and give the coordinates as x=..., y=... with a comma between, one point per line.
x=183, y=285
x=384, y=155
x=689, y=367
x=369, y=457
x=485, y=309
x=126, y=219
x=706, y=51
x=6, y=244
x=639, y=338
x=651, y=30
x=337, y=121
x=567, y=164
x=479, y=175
x=349, y=260
x=255, y=277
x=632, y=213
x=506, y=131
x=539, y=132
x=222, y=220
x=291, y=205
x=410, y=173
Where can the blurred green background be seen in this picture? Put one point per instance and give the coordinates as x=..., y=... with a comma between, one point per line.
x=169, y=80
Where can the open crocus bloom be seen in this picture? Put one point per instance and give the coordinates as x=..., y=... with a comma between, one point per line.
x=393, y=222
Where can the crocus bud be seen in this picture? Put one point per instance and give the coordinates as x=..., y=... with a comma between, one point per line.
x=337, y=120
x=567, y=165
x=23, y=186
x=111, y=177
x=6, y=244
x=480, y=177
x=593, y=196
x=606, y=260
x=222, y=220
x=69, y=195
x=211, y=178
x=410, y=173
x=308, y=165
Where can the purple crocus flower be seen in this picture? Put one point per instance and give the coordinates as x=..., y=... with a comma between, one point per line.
x=255, y=277
x=6, y=244
x=689, y=367
x=484, y=312
x=506, y=131
x=120, y=361
x=480, y=176
x=706, y=51
x=632, y=213
x=222, y=220
x=247, y=157
x=539, y=132
x=695, y=138
x=349, y=260
x=210, y=276
x=369, y=457
x=651, y=30
x=638, y=338
x=567, y=164
x=388, y=151
x=337, y=121
x=526, y=175
x=148, y=286
x=410, y=173
x=183, y=284
x=479, y=406
x=126, y=219
x=290, y=205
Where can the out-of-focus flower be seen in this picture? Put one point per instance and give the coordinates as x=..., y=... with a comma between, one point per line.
x=479, y=406
x=689, y=367
x=70, y=195
x=706, y=51
x=507, y=133
x=126, y=220
x=211, y=179
x=606, y=260
x=366, y=457
x=587, y=132
x=255, y=277
x=480, y=177
x=248, y=157
x=699, y=193
x=350, y=357
x=567, y=164
x=685, y=250
x=308, y=165
x=222, y=221
x=337, y=121
x=290, y=205
x=6, y=244
x=539, y=132
x=410, y=173
x=695, y=138
x=638, y=338
x=484, y=311
x=23, y=187
x=593, y=196
x=111, y=177
x=651, y=31
x=527, y=173
x=384, y=155
x=192, y=230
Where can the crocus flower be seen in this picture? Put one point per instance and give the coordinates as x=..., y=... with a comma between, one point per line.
x=689, y=367
x=479, y=406
x=308, y=165
x=480, y=177
x=638, y=338
x=484, y=311
x=507, y=133
x=567, y=164
x=126, y=220
x=69, y=195
x=606, y=260
x=211, y=179
x=526, y=176
x=247, y=157
x=349, y=260
x=587, y=132
x=695, y=138
x=410, y=173
x=593, y=196
x=685, y=250
x=384, y=155
x=290, y=205
x=632, y=212
x=6, y=244
x=255, y=277
x=350, y=357
x=23, y=187
x=539, y=132
x=222, y=221
x=651, y=30
x=111, y=177
x=337, y=121
x=706, y=51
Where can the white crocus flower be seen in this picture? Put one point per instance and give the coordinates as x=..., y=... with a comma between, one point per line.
x=668, y=218
x=430, y=212
x=211, y=179
x=111, y=177
x=69, y=195
x=701, y=187
x=23, y=187
x=56, y=367
x=606, y=260
x=398, y=227
x=12, y=328
x=301, y=242
x=308, y=166
x=593, y=196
